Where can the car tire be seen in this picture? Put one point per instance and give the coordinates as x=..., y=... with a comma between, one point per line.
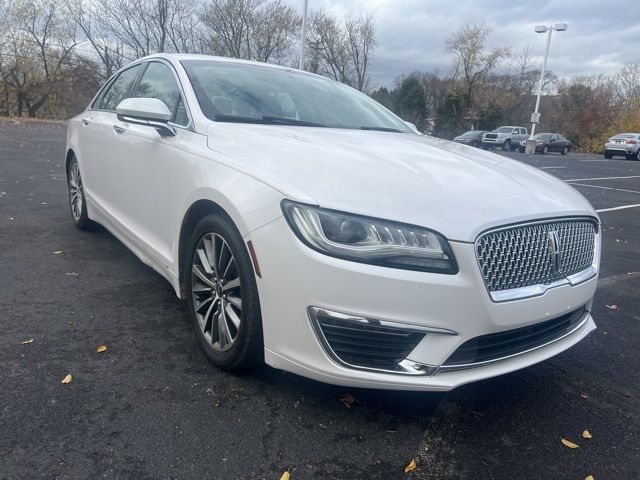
x=607, y=155
x=77, y=199
x=475, y=144
x=224, y=306
x=545, y=150
x=506, y=146
x=565, y=150
x=637, y=155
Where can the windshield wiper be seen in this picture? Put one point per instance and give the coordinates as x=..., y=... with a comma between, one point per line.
x=382, y=129
x=265, y=120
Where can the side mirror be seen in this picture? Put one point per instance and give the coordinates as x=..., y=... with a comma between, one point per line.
x=149, y=112
x=412, y=127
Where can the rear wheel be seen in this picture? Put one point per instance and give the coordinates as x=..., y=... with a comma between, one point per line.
x=545, y=150
x=565, y=150
x=223, y=296
x=506, y=146
x=634, y=156
x=77, y=202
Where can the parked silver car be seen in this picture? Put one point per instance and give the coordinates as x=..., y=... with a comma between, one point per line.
x=626, y=144
x=507, y=137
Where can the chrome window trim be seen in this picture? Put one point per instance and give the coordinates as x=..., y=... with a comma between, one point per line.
x=465, y=366
x=530, y=291
x=189, y=126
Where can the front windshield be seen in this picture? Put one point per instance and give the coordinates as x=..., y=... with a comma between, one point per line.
x=237, y=92
x=504, y=129
x=471, y=133
x=543, y=136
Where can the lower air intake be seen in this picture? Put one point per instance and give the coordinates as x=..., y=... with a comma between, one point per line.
x=362, y=343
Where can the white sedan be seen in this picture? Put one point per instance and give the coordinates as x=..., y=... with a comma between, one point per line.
x=310, y=228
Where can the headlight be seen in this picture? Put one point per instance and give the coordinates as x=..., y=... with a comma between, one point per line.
x=369, y=240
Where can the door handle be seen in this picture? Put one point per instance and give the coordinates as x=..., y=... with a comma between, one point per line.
x=118, y=129
x=85, y=121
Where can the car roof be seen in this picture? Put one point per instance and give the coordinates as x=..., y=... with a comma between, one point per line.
x=178, y=57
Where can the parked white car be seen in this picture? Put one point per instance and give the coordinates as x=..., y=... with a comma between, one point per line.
x=309, y=227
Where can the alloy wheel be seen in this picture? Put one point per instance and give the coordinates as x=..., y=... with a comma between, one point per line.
x=216, y=291
x=76, y=194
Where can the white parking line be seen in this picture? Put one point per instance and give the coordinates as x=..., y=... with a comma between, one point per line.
x=594, y=160
x=598, y=178
x=549, y=168
x=618, y=208
x=604, y=188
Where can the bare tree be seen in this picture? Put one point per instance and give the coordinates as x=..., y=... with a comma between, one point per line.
x=628, y=81
x=341, y=50
x=251, y=29
x=361, y=39
x=471, y=61
x=109, y=50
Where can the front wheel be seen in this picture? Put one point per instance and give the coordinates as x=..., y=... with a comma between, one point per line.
x=223, y=295
x=77, y=201
x=506, y=146
x=607, y=155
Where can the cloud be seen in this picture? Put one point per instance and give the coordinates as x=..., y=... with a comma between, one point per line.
x=602, y=36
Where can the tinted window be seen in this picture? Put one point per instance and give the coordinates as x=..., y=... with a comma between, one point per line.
x=118, y=90
x=257, y=94
x=159, y=82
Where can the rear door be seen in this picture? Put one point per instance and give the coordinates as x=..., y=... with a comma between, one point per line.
x=99, y=141
x=143, y=160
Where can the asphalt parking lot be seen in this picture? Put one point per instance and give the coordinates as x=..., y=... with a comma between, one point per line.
x=151, y=406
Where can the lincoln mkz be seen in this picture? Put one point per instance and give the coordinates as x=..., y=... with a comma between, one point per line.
x=309, y=228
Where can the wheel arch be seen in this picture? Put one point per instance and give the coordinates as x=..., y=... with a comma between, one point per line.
x=196, y=212
x=67, y=159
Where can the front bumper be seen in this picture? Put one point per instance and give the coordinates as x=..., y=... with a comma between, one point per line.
x=295, y=278
x=493, y=141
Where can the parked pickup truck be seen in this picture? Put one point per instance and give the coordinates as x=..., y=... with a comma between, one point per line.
x=507, y=138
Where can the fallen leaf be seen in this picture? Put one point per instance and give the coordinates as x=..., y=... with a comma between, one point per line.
x=216, y=404
x=589, y=477
x=67, y=379
x=349, y=400
x=612, y=307
x=57, y=252
x=44, y=203
x=74, y=274
x=584, y=395
x=101, y=348
x=586, y=434
x=411, y=467
x=27, y=341
x=568, y=443
x=73, y=324
x=285, y=476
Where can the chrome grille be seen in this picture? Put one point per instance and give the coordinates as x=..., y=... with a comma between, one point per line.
x=533, y=254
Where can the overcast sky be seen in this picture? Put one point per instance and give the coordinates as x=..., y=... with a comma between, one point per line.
x=602, y=34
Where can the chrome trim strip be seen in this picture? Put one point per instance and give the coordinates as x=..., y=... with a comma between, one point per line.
x=408, y=367
x=382, y=323
x=450, y=368
x=539, y=289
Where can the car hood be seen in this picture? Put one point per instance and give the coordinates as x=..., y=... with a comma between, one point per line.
x=446, y=186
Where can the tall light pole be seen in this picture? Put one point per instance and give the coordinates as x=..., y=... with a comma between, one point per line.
x=303, y=34
x=560, y=27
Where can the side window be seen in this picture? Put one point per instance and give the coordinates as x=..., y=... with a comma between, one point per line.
x=522, y=131
x=118, y=90
x=158, y=82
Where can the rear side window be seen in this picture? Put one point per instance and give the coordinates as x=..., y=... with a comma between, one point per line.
x=159, y=82
x=118, y=90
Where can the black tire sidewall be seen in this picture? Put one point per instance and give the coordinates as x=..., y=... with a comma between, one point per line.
x=247, y=350
x=506, y=146
x=83, y=223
